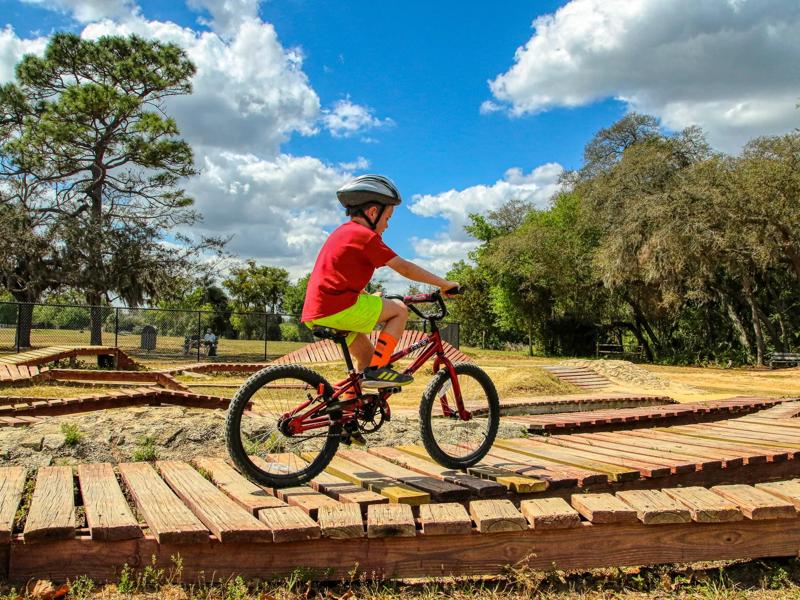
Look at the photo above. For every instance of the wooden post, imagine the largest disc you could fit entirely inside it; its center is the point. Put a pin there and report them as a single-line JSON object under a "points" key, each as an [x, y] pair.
{"points": [[266, 329], [116, 329], [199, 334]]}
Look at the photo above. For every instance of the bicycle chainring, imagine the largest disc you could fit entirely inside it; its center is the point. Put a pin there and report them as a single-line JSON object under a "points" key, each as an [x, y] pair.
{"points": [[372, 415]]}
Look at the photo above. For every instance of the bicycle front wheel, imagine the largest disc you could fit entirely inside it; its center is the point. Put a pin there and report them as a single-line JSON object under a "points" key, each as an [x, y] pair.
{"points": [[450, 440], [256, 443]]}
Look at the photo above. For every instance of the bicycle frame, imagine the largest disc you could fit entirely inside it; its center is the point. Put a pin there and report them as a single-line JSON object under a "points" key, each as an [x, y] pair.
{"points": [[297, 421]]}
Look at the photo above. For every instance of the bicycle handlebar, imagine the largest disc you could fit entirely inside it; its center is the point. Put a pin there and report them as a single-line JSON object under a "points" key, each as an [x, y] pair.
{"points": [[428, 298]]}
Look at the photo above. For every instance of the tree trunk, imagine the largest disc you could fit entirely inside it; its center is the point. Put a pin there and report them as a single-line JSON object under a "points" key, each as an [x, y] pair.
{"points": [[771, 331], [95, 318], [530, 339], [24, 325], [747, 287], [738, 326]]}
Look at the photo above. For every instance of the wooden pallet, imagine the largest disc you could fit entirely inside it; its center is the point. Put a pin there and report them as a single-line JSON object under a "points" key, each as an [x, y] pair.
{"points": [[215, 367], [43, 356], [220, 523], [568, 403], [328, 351], [582, 377], [19, 407], [646, 416]]}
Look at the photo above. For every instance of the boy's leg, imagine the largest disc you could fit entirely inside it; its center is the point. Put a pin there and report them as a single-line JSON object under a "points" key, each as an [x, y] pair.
{"points": [[362, 350], [395, 315]]}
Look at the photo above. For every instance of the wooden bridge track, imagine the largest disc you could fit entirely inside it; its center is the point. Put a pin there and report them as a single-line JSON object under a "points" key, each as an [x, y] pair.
{"points": [[43, 356], [642, 416], [220, 523], [583, 377]]}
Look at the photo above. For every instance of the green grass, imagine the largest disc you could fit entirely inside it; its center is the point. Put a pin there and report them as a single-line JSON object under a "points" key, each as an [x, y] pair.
{"points": [[72, 434], [145, 449]]}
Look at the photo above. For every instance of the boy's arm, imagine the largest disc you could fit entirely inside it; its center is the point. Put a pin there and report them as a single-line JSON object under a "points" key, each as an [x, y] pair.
{"points": [[412, 271]]}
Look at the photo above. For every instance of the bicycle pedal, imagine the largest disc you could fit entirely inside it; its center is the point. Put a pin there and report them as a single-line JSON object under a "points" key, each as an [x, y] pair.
{"points": [[339, 405], [392, 390]]}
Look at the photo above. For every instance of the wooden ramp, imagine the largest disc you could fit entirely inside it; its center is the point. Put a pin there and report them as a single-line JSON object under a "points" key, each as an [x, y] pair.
{"points": [[27, 410], [582, 377], [570, 403], [139, 514], [216, 367], [328, 351], [643, 416], [43, 356]]}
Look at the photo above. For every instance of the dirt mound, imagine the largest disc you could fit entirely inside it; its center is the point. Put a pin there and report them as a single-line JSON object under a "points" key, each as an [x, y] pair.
{"points": [[626, 373]]}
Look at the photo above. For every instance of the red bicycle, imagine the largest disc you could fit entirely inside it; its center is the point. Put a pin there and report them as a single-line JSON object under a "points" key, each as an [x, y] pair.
{"points": [[286, 422]]}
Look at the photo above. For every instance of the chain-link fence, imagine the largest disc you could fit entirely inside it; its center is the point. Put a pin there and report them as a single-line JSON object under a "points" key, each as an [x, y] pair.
{"points": [[162, 333]]}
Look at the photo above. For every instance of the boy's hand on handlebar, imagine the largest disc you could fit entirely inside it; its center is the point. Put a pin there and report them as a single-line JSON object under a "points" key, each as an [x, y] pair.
{"points": [[450, 289]]}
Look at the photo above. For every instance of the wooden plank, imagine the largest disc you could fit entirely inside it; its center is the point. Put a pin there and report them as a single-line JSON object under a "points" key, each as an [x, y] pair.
{"points": [[752, 454], [494, 516], [168, 519], [52, 511], [550, 513], [449, 518], [654, 507], [228, 521], [390, 520], [440, 491], [704, 505], [662, 442], [242, 491], [477, 486], [487, 469], [582, 548], [557, 475], [107, 512], [756, 503], [785, 490], [569, 457], [12, 485], [627, 459], [603, 508], [289, 524], [677, 461], [394, 490], [341, 522], [304, 497]]}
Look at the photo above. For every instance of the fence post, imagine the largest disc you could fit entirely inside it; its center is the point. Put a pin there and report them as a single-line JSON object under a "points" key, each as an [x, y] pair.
{"points": [[266, 328], [116, 327], [19, 320], [199, 334]]}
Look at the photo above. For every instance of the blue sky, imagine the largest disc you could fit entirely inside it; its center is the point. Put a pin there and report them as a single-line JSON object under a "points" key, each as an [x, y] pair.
{"points": [[464, 104]]}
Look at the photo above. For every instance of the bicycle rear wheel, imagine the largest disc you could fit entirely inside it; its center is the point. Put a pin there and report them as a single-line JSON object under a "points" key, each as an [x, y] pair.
{"points": [[450, 440], [256, 443]]}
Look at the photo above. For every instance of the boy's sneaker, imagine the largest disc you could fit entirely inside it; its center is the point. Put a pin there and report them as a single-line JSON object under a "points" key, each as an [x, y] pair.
{"points": [[383, 377]]}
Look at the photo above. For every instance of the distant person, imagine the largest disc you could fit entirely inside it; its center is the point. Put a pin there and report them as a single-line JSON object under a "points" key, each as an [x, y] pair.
{"points": [[210, 342], [335, 296]]}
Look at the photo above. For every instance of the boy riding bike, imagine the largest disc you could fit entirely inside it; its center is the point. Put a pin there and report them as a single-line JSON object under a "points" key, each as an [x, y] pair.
{"points": [[335, 295]]}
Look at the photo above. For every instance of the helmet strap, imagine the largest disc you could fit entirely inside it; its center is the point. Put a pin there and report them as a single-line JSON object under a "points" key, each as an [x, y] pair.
{"points": [[373, 224]]}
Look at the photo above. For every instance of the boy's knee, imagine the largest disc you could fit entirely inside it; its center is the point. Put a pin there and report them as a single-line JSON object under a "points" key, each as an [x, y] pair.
{"points": [[401, 308]]}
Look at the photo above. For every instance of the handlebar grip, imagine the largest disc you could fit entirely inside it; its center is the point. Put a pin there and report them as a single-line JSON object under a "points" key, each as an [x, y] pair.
{"points": [[459, 289]]}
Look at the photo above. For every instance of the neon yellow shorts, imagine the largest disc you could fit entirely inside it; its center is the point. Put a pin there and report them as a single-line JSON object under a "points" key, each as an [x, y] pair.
{"points": [[359, 318]]}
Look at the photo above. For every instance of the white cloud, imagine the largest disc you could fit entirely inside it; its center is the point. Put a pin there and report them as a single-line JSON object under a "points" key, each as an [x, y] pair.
{"points": [[537, 187], [226, 15], [346, 119], [87, 11], [726, 65], [455, 206], [12, 50], [249, 94], [280, 210]]}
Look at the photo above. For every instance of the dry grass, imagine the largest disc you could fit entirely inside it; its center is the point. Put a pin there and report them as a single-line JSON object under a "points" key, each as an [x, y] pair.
{"points": [[757, 580]]}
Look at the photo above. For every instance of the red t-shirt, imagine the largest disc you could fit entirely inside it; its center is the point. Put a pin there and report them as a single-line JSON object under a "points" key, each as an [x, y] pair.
{"points": [[345, 265]]}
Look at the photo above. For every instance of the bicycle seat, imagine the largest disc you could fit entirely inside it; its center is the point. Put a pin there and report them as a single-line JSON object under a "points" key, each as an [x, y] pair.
{"points": [[328, 333]]}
